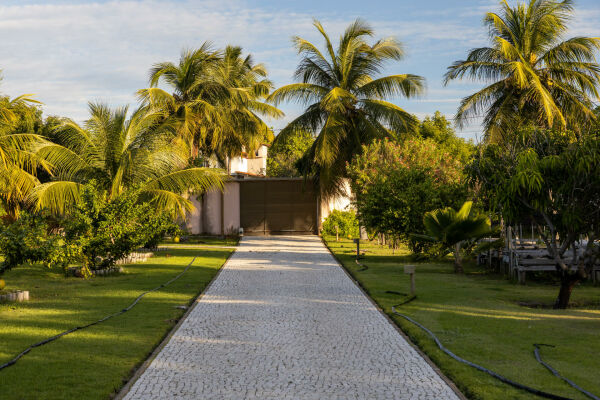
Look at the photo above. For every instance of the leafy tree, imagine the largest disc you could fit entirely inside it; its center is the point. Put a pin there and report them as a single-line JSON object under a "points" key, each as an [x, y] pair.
{"points": [[440, 130], [395, 184], [284, 154], [346, 100], [217, 99], [453, 229], [551, 180], [120, 152], [535, 76], [345, 221]]}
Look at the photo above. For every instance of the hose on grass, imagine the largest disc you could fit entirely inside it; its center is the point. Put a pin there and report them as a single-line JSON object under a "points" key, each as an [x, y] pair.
{"points": [[471, 364], [79, 328], [501, 378], [538, 357]]}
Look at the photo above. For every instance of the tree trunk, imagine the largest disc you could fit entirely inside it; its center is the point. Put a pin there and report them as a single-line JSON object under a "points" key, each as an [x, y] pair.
{"points": [[567, 282], [458, 269]]}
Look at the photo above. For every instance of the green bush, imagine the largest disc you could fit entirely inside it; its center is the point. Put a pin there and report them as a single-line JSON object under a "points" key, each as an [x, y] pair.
{"points": [[29, 239], [346, 222], [107, 230]]}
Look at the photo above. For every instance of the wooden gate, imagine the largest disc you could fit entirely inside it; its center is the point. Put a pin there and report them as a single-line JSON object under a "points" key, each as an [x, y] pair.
{"points": [[278, 206]]}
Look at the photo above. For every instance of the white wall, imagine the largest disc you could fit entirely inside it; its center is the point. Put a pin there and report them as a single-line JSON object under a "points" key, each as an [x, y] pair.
{"points": [[238, 164], [342, 203]]}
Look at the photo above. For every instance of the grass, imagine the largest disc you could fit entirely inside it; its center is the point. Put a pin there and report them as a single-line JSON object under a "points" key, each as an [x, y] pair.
{"points": [[205, 240], [96, 362], [477, 317]]}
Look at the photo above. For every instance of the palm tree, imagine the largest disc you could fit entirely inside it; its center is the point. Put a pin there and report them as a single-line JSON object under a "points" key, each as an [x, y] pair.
{"points": [[453, 228], [217, 97], [534, 76], [121, 152], [346, 103], [18, 146]]}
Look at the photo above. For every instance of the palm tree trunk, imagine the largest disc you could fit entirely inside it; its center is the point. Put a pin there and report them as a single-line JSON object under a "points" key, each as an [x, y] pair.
{"points": [[457, 260]]}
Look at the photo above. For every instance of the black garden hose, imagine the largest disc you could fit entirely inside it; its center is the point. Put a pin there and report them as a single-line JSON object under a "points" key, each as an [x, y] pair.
{"points": [[538, 357], [78, 328], [494, 374], [476, 366], [501, 378]]}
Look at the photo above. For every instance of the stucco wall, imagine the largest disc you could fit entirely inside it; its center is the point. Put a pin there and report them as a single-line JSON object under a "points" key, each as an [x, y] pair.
{"points": [[206, 218], [232, 208], [211, 212], [193, 220]]}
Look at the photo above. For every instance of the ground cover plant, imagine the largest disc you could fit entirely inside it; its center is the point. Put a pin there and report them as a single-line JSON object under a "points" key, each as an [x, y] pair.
{"points": [[477, 316], [94, 363]]}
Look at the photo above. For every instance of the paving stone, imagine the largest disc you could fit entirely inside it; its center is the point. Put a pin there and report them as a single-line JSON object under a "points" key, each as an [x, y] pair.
{"points": [[283, 321]]}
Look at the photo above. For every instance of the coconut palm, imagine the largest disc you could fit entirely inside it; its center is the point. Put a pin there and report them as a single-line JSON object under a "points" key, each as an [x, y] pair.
{"points": [[18, 145], [453, 228], [121, 152], [346, 99], [534, 75], [217, 97]]}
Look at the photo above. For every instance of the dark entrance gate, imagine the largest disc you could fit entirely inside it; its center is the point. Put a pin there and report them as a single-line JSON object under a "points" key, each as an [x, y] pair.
{"points": [[278, 206]]}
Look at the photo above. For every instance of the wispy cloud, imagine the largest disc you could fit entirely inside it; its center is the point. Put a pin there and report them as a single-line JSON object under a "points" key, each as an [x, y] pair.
{"points": [[69, 52]]}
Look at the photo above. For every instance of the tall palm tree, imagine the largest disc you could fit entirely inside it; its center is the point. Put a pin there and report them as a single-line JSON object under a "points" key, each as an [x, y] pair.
{"points": [[346, 99], [535, 76], [247, 85], [217, 97], [121, 152]]}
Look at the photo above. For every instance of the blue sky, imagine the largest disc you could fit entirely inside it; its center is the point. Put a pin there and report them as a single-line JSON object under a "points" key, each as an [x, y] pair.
{"points": [[70, 52]]}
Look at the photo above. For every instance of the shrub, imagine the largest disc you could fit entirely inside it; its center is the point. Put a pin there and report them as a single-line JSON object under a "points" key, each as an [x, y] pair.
{"points": [[107, 230], [29, 240], [346, 222]]}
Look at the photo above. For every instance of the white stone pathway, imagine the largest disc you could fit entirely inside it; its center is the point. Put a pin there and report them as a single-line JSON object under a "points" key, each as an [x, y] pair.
{"points": [[284, 321]]}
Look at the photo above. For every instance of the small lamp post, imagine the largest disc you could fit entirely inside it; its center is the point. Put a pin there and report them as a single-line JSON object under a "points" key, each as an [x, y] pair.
{"points": [[410, 270], [357, 241]]}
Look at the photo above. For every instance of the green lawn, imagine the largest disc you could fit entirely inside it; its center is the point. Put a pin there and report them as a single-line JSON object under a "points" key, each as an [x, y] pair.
{"points": [[96, 362], [477, 317]]}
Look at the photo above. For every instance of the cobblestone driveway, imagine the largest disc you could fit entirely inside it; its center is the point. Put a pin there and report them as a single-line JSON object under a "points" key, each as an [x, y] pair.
{"points": [[283, 321]]}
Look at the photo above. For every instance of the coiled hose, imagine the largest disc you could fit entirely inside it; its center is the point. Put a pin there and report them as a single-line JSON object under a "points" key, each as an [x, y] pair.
{"points": [[79, 328]]}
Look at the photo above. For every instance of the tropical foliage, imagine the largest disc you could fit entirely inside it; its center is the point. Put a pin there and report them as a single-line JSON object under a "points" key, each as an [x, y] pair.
{"points": [[452, 229], [18, 144], [30, 240], [396, 183], [217, 97], [535, 76], [285, 154], [105, 229], [342, 223], [549, 179], [346, 100], [121, 151]]}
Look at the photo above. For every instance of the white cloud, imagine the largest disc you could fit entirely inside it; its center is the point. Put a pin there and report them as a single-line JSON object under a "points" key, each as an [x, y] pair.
{"points": [[69, 53]]}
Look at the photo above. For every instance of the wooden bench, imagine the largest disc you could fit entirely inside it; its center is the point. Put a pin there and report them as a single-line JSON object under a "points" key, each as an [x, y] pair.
{"points": [[524, 265]]}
